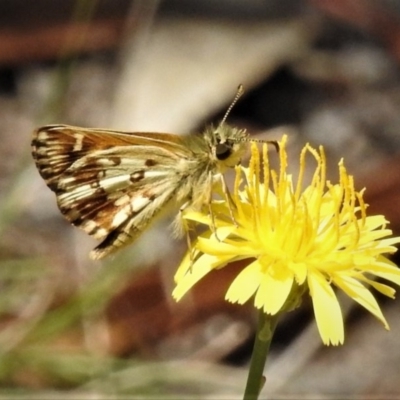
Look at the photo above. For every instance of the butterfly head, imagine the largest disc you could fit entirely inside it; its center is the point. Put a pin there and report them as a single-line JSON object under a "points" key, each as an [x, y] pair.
{"points": [[227, 145]]}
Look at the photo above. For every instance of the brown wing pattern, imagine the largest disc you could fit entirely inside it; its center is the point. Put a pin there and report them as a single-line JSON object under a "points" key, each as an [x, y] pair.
{"points": [[110, 184]]}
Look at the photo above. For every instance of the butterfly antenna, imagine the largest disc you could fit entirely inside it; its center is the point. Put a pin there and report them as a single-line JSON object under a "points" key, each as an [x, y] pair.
{"points": [[274, 143], [238, 95]]}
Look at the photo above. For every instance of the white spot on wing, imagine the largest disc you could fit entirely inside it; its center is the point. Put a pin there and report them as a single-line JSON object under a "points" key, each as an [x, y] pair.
{"points": [[92, 228], [136, 204], [115, 183], [43, 135], [78, 141], [119, 218], [105, 162], [122, 200], [77, 194], [139, 202], [156, 173], [42, 151]]}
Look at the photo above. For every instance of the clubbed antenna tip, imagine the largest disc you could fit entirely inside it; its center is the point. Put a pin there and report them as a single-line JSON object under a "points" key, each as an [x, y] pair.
{"points": [[238, 95]]}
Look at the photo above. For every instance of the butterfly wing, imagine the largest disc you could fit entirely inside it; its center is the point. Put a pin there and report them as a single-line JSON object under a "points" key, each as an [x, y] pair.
{"points": [[110, 184]]}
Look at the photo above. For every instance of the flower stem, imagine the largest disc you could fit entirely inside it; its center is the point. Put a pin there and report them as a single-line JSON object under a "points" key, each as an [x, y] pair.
{"points": [[265, 331]]}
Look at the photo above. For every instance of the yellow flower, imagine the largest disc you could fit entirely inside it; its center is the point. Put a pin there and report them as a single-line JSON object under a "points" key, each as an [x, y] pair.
{"points": [[297, 237]]}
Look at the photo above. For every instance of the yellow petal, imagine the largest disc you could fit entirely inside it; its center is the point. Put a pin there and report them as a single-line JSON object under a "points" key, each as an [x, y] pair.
{"points": [[326, 309], [356, 290], [197, 216], [200, 268], [384, 269], [274, 291], [214, 247], [380, 287], [300, 270], [245, 284]]}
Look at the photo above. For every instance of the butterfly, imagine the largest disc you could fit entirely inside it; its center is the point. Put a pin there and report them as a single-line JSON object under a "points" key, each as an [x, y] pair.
{"points": [[113, 184]]}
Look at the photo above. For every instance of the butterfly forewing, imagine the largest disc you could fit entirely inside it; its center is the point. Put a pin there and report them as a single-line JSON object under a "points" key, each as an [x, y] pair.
{"points": [[56, 147]]}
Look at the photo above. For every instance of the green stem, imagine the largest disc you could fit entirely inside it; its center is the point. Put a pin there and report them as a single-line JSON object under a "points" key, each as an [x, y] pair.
{"points": [[265, 332]]}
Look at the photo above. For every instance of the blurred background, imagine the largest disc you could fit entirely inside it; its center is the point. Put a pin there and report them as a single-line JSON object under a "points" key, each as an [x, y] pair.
{"points": [[324, 72]]}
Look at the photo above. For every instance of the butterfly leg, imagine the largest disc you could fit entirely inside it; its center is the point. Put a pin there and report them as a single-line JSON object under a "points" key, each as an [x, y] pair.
{"points": [[186, 229], [213, 226], [231, 203]]}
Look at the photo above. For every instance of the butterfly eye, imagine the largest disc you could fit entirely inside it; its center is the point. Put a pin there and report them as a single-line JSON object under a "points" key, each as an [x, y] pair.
{"points": [[223, 150]]}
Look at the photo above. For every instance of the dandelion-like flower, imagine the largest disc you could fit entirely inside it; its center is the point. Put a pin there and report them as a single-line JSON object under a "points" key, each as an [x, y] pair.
{"points": [[298, 237]]}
